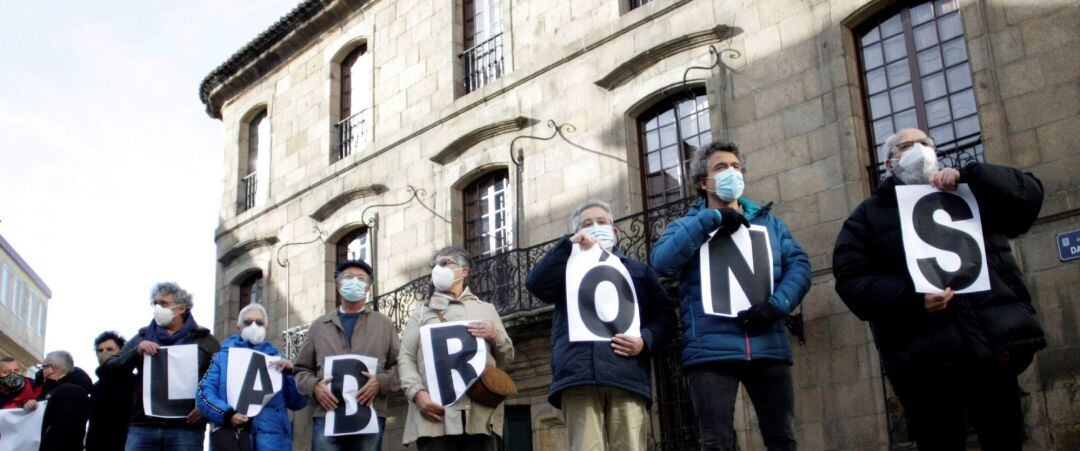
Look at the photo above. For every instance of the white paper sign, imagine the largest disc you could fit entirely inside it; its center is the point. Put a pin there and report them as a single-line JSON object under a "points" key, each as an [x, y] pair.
{"points": [[21, 430], [453, 360], [345, 379], [736, 271], [170, 379], [251, 381], [600, 297], [943, 239]]}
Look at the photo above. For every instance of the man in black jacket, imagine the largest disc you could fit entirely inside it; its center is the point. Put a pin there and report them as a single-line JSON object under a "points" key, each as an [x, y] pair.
{"points": [[947, 355], [67, 390], [110, 399], [603, 388], [173, 325]]}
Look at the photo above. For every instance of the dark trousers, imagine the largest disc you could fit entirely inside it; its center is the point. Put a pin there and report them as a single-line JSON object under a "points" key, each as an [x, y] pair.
{"points": [[713, 387], [937, 406], [464, 442]]}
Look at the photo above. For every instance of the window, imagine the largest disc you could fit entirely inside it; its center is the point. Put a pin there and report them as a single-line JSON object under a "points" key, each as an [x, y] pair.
{"points": [[670, 131], [636, 3], [354, 246], [517, 429], [916, 74], [31, 305], [251, 290], [482, 57], [355, 102], [487, 215], [16, 304], [41, 319], [258, 143], [4, 285]]}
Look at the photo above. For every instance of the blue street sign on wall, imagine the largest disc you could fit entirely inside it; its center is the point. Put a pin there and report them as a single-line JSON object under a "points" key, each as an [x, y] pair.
{"points": [[1069, 245]]}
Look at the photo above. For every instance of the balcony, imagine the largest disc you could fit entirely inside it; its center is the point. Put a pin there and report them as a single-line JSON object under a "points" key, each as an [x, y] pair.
{"points": [[483, 63], [953, 154], [248, 186], [353, 134]]}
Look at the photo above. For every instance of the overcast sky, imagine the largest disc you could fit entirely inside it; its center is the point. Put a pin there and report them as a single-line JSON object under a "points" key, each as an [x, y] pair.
{"points": [[110, 171]]}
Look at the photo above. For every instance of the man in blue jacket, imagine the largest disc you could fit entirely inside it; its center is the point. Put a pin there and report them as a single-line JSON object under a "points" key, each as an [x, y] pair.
{"points": [[603, 388], [719, 352], [271, 429]]}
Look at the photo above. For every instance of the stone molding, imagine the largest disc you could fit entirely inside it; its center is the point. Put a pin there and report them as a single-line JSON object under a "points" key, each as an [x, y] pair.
{"points": [[648, 58], [460, 145], [333, 205], [240, 249]]}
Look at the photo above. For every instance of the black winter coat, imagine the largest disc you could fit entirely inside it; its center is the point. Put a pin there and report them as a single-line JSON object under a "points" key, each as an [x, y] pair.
{"points": [[595, 363], [999, 325], [129, 360], [110, 411], [64, 424]]}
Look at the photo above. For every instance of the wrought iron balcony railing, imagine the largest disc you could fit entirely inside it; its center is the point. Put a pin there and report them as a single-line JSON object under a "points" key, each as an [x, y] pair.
{"points": [[248, 186], [953, 154], [483, 63], [353, 133]]}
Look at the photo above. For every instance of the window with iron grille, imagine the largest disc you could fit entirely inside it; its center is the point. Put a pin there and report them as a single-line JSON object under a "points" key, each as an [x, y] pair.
{"points": [[352, 128], [669, 133], [251, 290], [487, 215], [916, 74], [258, 143], [482, 58]]}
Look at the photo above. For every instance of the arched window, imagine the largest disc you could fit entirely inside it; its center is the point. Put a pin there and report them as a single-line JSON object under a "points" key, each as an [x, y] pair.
{"points": [[251, 290], [354, 246], [488, 229], [915, 69], [669, 132], [256, 145], [353, 124]]}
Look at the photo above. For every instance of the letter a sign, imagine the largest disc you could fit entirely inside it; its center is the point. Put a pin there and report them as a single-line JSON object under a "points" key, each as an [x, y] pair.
{"points": [[943, 239], [600, 297], [453, 360], [170, 378], [251, 381], [736, 271]]}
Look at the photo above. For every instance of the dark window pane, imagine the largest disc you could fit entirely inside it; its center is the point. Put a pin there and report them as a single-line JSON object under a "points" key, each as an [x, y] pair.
{"points": [[891, 26], [899, 72], [950, 26], [934, 86], [871, 37], [875, 80], [879, 106], [902, 98], [922, 13], [872, 56], [955, 51], [967, 126], [963, 104], [937, 112], [959, 77], [929, 61], [895, 48], [925, 36], [906, 119]]}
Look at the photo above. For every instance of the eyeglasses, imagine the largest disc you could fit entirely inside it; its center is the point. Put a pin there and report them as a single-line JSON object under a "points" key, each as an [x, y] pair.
{"points": [[347, 276], [928, 142], [248, 321]]}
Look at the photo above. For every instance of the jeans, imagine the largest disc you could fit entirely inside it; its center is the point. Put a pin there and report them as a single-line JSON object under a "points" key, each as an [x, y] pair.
{"points": [[938, 405], [713, 387], [154, 438], [357, 442]]}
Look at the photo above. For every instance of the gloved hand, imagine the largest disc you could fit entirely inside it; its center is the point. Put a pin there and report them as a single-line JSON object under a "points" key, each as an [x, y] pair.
{"points": [[730, 220], [759, 317]]}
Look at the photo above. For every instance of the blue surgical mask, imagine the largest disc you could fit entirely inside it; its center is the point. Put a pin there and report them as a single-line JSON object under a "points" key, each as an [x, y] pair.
{"points": [[729, 184], [604, 234], [353, 290]]}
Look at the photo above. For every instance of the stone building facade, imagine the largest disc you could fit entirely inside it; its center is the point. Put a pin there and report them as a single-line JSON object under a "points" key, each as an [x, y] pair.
{"points": [[24, 306], [383, 129]]}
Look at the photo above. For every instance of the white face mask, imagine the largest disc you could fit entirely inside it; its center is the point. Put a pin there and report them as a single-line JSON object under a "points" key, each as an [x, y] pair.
{"points": [[254, 334], [163, 315], [916, 165], [604, 234], [442, 277]]}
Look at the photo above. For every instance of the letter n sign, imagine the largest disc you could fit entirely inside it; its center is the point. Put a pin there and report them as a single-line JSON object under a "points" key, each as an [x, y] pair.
{"points": [[943, 239], [736, 271]]}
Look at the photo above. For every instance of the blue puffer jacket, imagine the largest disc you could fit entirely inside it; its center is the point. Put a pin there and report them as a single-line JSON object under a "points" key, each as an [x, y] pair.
{"points": [[271, 428], [708, 338], [575, 364]]}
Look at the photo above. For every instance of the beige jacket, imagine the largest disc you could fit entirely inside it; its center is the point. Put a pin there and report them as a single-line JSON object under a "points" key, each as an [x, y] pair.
{"points": [[479, 419], [373, 336]]}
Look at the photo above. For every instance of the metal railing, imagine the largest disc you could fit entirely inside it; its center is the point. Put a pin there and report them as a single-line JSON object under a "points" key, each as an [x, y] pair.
{"points": [[353, 133], [483, 63], [952, 154], [248, 186]]}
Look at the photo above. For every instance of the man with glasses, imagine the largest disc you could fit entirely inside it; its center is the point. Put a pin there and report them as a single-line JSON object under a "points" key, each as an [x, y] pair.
{"points": [[173, 325], [353, 329], [67, 389], [947, 355]]}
